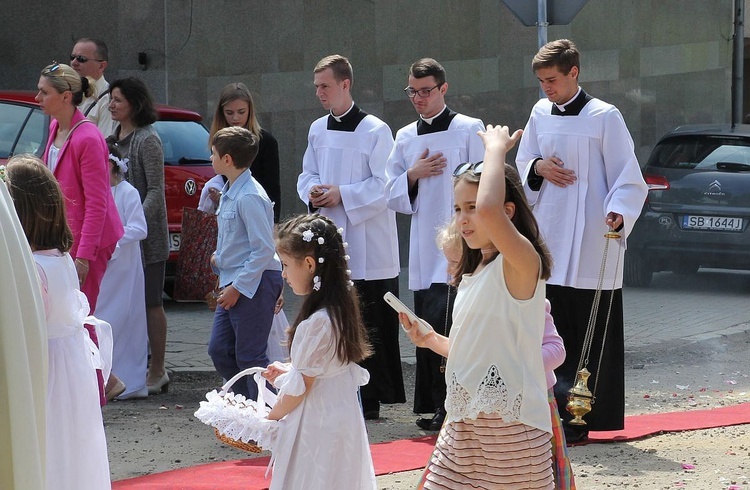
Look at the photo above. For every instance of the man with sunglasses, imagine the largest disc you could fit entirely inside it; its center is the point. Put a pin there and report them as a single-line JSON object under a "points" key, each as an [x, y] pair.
{"points": [[580, 171], [89, 59], [420, 184]]}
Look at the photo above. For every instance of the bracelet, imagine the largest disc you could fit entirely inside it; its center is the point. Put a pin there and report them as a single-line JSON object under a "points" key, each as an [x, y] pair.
{"points": [[533, 166], [79, 261]]}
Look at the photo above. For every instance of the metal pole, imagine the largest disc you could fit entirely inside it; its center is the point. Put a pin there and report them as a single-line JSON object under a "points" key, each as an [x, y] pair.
{"points": [[541, 27], [166, 54], [738, 59]]}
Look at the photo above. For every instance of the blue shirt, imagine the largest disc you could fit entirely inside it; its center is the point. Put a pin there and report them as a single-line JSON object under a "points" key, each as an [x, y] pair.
{"points": [[245, 246]]}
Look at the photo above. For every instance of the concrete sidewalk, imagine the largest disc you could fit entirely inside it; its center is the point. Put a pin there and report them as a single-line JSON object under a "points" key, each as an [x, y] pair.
{"points": [[675, 309]]}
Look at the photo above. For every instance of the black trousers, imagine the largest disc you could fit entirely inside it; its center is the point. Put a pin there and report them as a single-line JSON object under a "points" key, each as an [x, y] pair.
{"points": [[384, 365], [571, 309], [435, 305]]}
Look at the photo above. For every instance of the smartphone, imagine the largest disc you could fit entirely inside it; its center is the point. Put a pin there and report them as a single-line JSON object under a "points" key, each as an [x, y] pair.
{"points": [[396, 304]]}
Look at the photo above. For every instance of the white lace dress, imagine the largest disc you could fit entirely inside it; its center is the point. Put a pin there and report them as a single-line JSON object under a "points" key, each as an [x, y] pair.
{"points": [[76, 445], [322, 444]]}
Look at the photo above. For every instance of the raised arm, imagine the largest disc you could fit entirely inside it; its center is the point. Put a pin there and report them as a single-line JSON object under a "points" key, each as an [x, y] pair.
{"points": [[494, 213]]}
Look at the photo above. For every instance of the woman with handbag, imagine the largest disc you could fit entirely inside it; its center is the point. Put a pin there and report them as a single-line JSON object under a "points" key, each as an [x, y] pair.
{"points": [[77, 155], [132, 106]]}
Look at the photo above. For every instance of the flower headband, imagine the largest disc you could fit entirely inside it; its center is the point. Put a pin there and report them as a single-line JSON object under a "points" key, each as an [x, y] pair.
{"points": [[308, 236], [122, 164], [2, 173]]}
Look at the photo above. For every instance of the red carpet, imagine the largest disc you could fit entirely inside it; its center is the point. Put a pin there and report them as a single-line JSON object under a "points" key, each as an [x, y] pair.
{"points": [[412, 454]]}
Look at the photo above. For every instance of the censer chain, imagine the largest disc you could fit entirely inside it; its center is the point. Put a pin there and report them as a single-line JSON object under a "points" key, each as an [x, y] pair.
{"points": [[588, 339]]}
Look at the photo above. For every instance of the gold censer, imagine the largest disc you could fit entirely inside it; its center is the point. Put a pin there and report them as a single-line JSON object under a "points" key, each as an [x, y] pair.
{"points": [[580, 398]]}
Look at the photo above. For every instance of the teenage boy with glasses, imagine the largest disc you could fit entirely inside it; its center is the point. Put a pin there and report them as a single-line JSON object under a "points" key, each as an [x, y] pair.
{"points": [[419, 172], [89, 58]]}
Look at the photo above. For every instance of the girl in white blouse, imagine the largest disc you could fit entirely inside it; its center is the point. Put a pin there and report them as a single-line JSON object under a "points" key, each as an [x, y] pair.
{"points": [[497, 429]]}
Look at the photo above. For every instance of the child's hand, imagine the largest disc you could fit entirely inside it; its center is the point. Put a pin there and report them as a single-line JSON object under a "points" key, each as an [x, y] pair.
{"points": [[499, 137], [279, 304], [214, 194], [412, 330], [228, 297], [274, 370]]}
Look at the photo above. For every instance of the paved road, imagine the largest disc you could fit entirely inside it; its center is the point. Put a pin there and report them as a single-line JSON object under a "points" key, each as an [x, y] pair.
{"points": [[675, 308]]}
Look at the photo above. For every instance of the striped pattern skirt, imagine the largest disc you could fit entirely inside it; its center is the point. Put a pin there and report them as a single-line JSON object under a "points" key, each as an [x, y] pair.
{"points": [[488, 453]]}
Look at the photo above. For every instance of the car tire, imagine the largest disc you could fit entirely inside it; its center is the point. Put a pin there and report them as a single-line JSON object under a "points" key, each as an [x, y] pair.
{"points": [[636, 272]]}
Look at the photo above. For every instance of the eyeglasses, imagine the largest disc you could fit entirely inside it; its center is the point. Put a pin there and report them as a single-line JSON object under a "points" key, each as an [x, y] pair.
{"points": [[422, 92], [82, 59], [49, 70], [469, 167]]}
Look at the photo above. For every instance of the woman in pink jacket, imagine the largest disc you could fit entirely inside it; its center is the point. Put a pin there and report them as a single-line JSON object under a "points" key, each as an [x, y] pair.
{"points": [[77, 155]]}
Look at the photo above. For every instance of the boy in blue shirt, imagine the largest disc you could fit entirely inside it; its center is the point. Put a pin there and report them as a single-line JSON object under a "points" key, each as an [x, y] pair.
{"points": [[248, 268]]}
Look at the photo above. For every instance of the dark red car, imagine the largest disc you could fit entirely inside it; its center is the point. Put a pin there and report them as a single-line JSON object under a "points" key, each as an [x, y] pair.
{"points": [[24, 129]]}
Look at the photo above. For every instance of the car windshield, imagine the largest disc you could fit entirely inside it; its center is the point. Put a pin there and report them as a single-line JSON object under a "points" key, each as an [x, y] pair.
{"points": [[184, 142], [700, 152], [15, 141]]}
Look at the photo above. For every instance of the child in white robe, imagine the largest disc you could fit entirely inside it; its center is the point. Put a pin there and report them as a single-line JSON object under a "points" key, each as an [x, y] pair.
{"points": [[76, 455], [121, 300]]}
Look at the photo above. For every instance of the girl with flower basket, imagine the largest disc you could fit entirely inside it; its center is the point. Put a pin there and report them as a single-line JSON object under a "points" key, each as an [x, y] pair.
{"points": [[321, 441]]}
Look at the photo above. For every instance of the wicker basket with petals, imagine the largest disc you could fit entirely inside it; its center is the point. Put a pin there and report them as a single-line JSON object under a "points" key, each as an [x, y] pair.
{"points": [[237, 421]]}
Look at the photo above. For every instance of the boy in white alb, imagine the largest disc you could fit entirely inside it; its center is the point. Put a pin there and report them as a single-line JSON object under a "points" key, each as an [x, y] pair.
{"points": [[579, 167], [420, 184], [343, 178]]}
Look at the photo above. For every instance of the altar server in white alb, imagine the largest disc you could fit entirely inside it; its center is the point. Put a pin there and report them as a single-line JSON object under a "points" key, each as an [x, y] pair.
{"points": [[343, 178], [580, 171], [420, 184]]}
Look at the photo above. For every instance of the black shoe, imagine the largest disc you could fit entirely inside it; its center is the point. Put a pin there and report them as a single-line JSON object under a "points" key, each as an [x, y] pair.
{"points": [[435, 423], [371, 409], [574, 434]]}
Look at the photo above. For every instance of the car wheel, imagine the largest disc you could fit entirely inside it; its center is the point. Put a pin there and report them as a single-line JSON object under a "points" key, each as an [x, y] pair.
{"points": [[636, 272]]}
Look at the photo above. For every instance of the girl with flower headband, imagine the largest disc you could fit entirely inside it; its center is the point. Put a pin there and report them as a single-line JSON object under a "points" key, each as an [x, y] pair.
{"points": [[323, 442], [122, 303], [76, 455]]}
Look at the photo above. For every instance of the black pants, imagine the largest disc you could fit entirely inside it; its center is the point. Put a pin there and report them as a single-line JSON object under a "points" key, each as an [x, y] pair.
{"points": [[435, 305], [384, 365], [571, 309]]}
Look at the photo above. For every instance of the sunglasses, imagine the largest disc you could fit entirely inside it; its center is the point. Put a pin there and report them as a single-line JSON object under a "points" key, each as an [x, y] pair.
{"points": [[82, 59], [49, 70], [469, 167]]}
